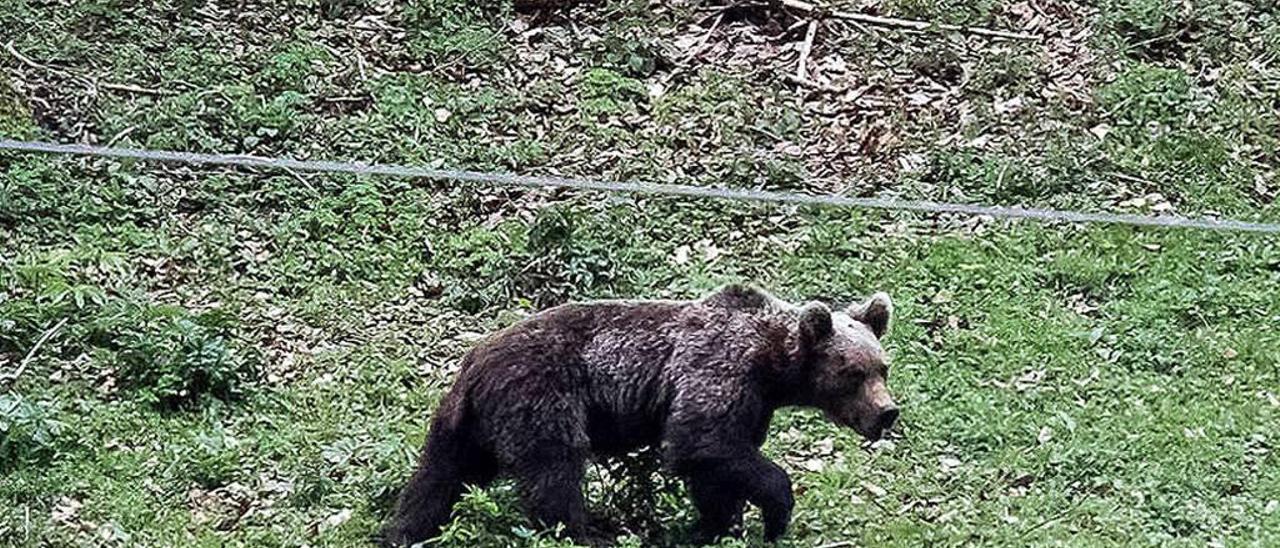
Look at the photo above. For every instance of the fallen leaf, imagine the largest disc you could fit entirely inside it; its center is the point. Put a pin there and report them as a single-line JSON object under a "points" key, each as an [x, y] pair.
{"points": [[874, 489], [336, 519], [681, 255]]}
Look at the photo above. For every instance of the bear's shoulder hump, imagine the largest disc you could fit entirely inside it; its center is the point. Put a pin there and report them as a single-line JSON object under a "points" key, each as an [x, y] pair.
{"points": [[741, 297]]}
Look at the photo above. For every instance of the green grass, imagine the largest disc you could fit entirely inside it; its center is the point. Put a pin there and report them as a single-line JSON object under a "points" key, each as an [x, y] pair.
{"points": [[251, 358]]}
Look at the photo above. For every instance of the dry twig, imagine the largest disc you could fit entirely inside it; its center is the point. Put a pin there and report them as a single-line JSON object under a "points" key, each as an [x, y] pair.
{"points": [[802, 70], [808, 7], [31, 354], [89, 82], [133, 89], [702, 44], [805, 82]]}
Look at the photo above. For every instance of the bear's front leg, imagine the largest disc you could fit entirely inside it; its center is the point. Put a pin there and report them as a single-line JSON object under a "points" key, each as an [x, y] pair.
{"points": [[719, 508], [748, 476]]}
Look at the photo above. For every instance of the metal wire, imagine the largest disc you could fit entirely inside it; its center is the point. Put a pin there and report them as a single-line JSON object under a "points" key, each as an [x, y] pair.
{"points": [[512, 180]]}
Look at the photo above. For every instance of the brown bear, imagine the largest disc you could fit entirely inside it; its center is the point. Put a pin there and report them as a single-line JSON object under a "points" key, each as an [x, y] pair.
{"points": [[700, 378]]}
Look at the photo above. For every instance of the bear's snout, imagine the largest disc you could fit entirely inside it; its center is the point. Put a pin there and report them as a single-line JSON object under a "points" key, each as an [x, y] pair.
{"points": [[885, 420], [873, 411]]}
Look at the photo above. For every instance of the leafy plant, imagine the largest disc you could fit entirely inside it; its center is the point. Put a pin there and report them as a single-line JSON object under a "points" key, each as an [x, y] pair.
{"points": [[28, 431], [174, 359], [607, 92], [562, 253], [15, 118], [291, 67], [211, 459], [1159, 30], [1148, 93], [449, 29], [633, 488], [629, 53]]}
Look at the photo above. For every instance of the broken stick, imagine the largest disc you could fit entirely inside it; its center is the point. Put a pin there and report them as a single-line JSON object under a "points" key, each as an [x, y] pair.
{"points": [[702, 44], [83, 79], [907, 23], [31, 354], [802, 70], [805, 82]]}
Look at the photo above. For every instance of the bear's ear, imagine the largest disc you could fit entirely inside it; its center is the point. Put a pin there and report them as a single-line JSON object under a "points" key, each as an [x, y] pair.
{"points": [[815, 322], [876, 313]]}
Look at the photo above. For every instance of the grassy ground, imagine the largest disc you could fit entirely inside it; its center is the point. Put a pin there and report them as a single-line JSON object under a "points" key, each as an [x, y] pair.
{"points": [[239, 358]]}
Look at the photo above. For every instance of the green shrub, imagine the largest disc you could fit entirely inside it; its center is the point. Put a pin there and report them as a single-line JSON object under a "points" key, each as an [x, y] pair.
{"points": [[607, 92], [961, 12], [456, 30], [632, 53], [174, 359], [15, 118], [1164, 29], [1148, 93], [564, 253], [28, 432], [293, 67], [1142, 20], [211, 459]]}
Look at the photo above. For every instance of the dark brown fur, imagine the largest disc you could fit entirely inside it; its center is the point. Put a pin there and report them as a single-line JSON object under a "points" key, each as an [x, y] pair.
{"points": [[699, 378]]}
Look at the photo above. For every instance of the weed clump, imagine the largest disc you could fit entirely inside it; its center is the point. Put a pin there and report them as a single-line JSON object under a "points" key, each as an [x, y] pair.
{"points": [[169, 356], [448, 29], [563, 253], [1169, 30], [174, 359], [15, 118], [28, 432]]}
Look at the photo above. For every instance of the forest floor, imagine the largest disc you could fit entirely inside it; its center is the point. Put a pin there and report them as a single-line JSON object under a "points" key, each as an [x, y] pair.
{"points": [[214, 357]]}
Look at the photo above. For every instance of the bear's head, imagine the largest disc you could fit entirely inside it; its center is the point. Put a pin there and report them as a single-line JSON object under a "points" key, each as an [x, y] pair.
{"points": [[845, 367]]}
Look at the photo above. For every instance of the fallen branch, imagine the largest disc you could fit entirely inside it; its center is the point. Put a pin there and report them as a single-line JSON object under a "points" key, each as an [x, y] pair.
{"points": [[808, 7], [121, 135], [876, 36], [8, 46], [31, 354], [795, 26], [802, 70], [1131, 178], [805, 82], [702, 44], [133, 89], [347, 99]]}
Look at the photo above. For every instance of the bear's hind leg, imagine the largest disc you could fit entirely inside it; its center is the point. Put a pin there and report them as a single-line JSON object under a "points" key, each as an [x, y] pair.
{"points": [[549, 478], [448, 464]]}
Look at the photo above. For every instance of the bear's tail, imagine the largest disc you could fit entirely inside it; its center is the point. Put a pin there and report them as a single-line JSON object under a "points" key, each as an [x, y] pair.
{"points": [[426, 502]]}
